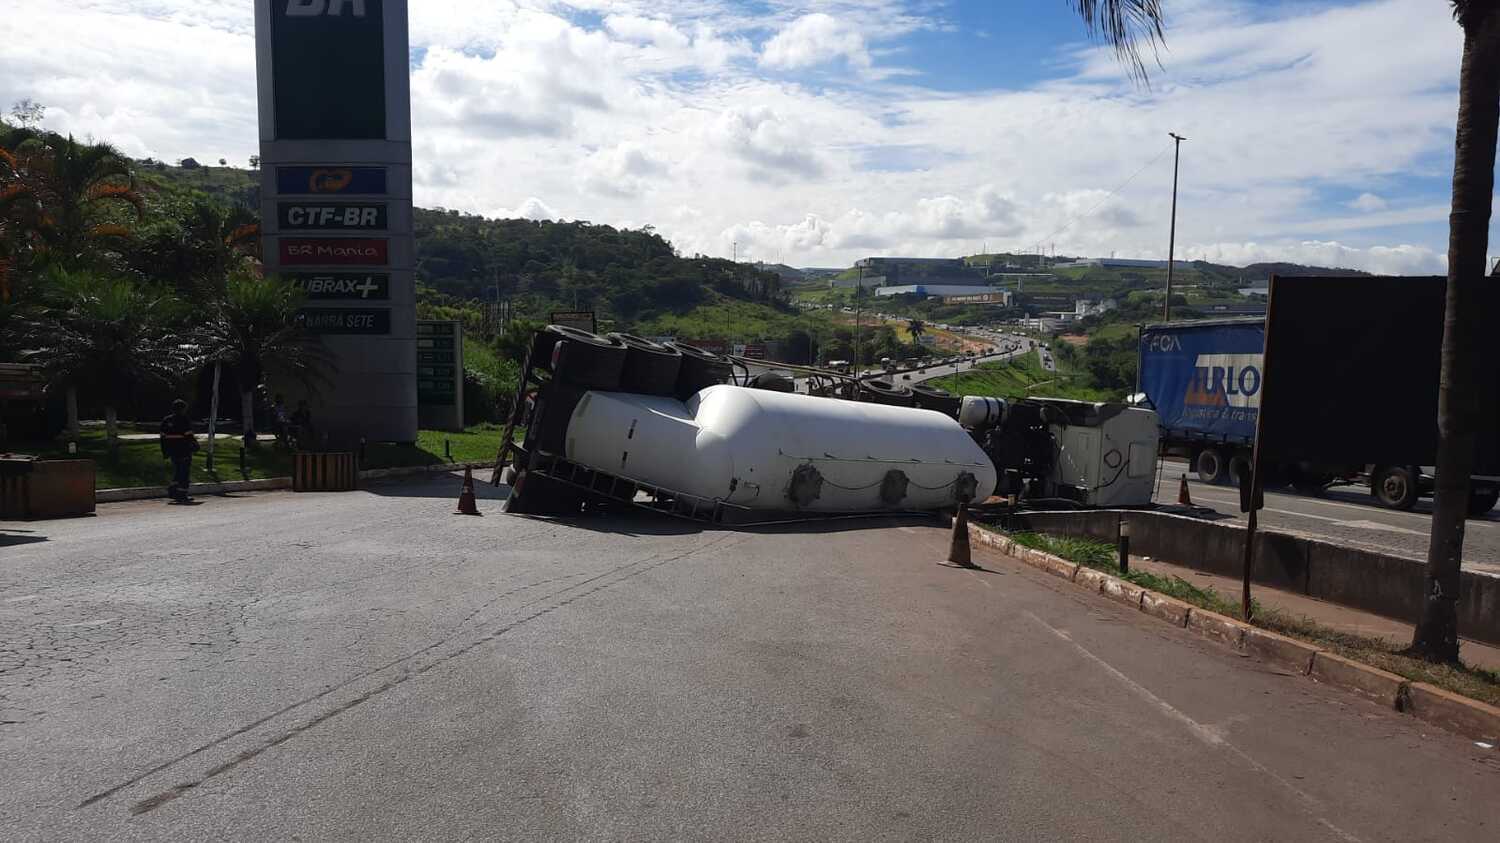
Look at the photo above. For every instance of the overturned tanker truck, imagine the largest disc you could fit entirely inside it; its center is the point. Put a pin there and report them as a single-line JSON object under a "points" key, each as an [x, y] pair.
{"points": [[620, 420]]}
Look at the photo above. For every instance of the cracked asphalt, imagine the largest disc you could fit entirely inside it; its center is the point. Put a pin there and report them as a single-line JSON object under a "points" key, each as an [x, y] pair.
{"points": [[369, 666]]}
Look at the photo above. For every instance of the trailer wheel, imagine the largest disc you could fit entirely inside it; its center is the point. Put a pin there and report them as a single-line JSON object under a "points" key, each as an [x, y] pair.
{"points": [[1212, 467], [650, 367], [1394, 486], [1482, 502], [586, 360]]}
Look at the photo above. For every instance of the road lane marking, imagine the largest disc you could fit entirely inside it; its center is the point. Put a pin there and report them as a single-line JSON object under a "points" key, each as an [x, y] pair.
{"points": [[1210, 491], [1359, 524], [1208, 734]]}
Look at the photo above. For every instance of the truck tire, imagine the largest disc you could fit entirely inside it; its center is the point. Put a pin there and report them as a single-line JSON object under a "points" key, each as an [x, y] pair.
{"points": [[1394, 486], [1212, 467], [885, 392], [699, 369], [586, 360], [1482, 502], [650, 367], [932, 398]]}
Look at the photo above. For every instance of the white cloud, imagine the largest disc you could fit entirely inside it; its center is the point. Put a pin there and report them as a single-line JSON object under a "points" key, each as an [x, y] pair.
{"points": [[662, 111], [1381, 260], [775, 146], [815, 39], [621, 170], [531, 209]]}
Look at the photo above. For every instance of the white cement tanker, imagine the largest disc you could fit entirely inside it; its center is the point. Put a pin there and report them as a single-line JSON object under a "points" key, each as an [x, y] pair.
{"points": [[779, 451]]}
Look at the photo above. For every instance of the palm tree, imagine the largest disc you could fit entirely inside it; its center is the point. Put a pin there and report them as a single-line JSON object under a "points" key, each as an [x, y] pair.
{"points": [[253, 328], [1461, 396], [916, 328], [199, 254], [73, 194], [106, 336]]}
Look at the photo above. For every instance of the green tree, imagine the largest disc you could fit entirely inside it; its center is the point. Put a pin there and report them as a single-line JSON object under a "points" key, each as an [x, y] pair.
{"points": [[107, 337], [197, 252], [1462, 400], [252, 327], [916, 328], [77, 197]]}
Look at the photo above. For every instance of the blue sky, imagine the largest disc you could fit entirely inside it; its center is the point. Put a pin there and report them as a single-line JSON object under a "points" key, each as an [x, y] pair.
{"points": [[819, 132]]}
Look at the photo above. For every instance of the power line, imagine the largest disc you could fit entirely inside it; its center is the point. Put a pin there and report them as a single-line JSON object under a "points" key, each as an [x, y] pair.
{"points": [[1108, 196]]}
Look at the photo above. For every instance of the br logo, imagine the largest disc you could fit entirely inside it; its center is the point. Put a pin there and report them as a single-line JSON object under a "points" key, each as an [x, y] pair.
{"points": [[319, 8], [329, 181]]}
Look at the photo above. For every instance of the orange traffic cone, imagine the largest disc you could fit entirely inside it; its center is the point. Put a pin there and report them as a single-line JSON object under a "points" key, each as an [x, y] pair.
{"points": [[958, 546], [466, 505], [1183, 498]]}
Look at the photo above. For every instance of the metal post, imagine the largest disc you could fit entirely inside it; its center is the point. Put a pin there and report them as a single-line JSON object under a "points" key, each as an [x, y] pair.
{"points": [[859, 289], [1124, 546], [213, 418], [1172, 238], [1256, 477]]}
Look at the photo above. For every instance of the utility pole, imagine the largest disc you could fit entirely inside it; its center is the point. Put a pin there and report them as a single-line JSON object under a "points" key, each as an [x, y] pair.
{"points": [[859, 291], [1172, 238]]}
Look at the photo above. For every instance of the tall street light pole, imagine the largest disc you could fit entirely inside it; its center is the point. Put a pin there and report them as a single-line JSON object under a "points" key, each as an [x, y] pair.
{"points": [[1172, 238], [859, 292]]}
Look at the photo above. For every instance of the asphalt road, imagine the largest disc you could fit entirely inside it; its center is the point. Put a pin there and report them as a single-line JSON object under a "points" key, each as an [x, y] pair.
{"points": [[369, 666], [1345, 514]]}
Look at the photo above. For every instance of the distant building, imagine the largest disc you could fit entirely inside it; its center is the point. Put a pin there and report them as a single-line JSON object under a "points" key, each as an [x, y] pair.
{"points": [[1000, 298], [1112, 263], [884, 265], [1083, 309], [1253, 309], [931, 289], [850, 283]]}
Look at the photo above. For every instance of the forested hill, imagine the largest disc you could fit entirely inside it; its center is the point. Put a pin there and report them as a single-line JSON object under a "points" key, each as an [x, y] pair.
{"points": [[630, 275]]}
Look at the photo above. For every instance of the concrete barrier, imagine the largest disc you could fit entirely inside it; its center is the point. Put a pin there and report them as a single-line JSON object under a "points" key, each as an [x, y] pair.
{"points": [[1386, 585]]}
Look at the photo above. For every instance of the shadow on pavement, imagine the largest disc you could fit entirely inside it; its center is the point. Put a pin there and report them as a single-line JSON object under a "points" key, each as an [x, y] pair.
{"points": [[433, 486], [8, 537], [639, 522]]}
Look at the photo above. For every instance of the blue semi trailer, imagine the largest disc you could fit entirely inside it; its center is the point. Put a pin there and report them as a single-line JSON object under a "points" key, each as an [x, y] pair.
{"points": [[1203, 378]]}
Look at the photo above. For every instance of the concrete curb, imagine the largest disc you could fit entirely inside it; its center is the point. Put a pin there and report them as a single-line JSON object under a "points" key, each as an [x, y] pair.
{"points": [[1458, 714], [404, 471], [141, 493], [266, 484]]}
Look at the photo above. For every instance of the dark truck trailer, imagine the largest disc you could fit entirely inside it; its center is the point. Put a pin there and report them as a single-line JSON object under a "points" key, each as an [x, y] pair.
{"points": [[1204, 380]]}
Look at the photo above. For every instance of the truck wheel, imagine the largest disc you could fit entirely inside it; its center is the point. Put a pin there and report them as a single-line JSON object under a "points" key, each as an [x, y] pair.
{"points": [[1394, 486], [650, 367], [1482, 502], [1212, 467], [586, 360]]}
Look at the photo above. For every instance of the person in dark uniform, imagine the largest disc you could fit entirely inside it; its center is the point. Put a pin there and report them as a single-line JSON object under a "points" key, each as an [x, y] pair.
{"points": [[178, 445]]}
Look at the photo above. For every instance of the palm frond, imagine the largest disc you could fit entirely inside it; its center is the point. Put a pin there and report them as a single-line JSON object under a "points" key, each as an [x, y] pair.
{"points": [[122, 192], [1126, 25]]}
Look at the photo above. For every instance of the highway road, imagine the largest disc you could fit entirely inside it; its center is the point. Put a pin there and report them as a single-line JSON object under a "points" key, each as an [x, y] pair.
{"points": [[1345, 514], [368, 665]]}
